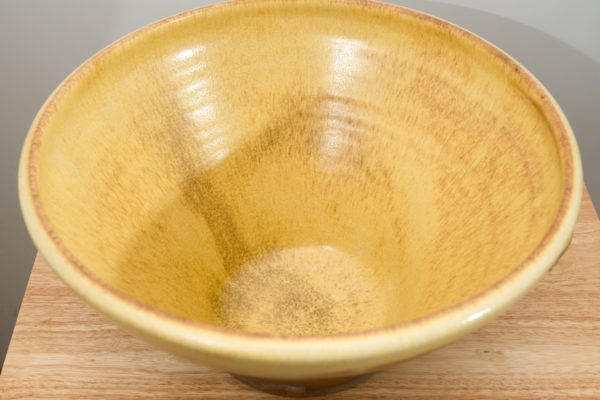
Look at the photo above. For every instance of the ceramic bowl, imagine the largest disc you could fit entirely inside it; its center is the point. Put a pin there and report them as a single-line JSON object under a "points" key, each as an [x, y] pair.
{"points": [[300, 192]]}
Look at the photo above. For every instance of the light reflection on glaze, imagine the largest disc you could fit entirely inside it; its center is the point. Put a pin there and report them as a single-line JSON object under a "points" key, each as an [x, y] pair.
{"points": [[343, 70], [345, 62], [478, 314], [196, 91]]}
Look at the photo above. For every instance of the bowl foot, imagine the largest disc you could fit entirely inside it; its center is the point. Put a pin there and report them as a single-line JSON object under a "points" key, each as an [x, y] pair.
{"points": [[302, 388]]}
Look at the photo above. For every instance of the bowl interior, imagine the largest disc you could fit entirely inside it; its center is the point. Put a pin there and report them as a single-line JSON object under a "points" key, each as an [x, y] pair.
{"points": [[299, 170]]}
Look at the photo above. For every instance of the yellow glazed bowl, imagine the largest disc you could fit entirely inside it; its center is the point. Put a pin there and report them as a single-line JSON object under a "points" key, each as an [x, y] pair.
{"points": [[300, 191]]}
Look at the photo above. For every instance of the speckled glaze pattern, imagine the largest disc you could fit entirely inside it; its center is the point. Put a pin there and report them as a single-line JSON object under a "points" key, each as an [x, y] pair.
{"points": [[300, 189]]}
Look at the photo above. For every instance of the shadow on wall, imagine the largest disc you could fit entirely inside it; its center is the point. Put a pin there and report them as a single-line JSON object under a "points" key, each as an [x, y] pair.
{"points": [[40, 43], [572, 77]]}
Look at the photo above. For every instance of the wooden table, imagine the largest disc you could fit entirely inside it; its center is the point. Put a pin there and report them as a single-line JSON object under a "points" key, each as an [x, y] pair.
{"points": [[547, 346]]}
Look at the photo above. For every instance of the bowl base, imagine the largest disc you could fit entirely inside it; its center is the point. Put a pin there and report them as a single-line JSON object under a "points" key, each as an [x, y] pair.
{"points": [[302, 388]]}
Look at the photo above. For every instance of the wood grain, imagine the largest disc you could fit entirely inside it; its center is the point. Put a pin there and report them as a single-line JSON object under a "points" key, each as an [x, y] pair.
{"points": [[547, 346]]}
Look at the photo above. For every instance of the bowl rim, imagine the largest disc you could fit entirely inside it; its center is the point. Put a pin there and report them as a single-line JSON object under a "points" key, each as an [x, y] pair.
{"points": [[319, 353]]}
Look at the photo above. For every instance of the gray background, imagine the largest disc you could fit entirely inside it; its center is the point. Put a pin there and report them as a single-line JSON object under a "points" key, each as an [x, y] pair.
{"points": [[42, 41]]}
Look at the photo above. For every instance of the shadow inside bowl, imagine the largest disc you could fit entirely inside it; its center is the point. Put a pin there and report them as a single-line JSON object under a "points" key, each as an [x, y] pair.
{"points": [[271, 239]]}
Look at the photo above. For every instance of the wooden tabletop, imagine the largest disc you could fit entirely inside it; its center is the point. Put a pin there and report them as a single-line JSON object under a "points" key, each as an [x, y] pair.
{"points": [[547, 346]]}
